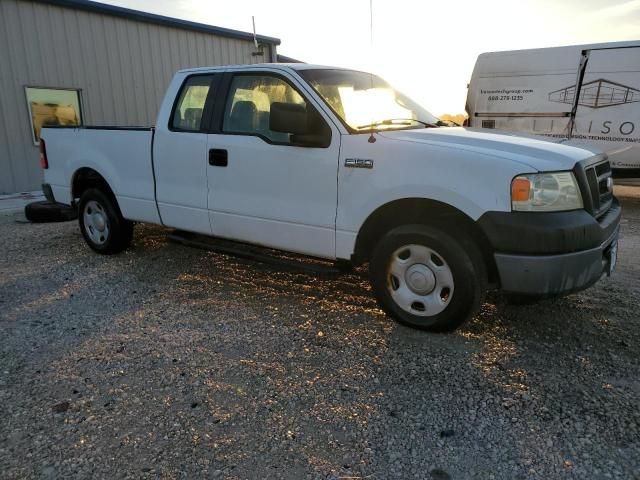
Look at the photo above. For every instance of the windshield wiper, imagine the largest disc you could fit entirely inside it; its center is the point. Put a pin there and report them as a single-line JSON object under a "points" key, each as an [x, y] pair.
{"points": [[397, 121]]}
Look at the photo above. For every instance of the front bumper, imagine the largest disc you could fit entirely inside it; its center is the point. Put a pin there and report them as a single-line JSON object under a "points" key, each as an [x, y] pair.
{"points": [[555, 274], [552, 254]]}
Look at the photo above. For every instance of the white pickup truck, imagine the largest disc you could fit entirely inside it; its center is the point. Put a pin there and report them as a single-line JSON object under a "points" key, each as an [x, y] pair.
{"points": [[336, 164]]}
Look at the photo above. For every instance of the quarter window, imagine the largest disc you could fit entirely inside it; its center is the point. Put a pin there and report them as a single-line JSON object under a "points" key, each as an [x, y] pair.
{"points": [[249, 104], [187, 115]]}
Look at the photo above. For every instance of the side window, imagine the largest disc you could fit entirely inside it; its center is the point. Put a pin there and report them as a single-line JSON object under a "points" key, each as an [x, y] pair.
{"points": [[249, 104], [187, 114]]}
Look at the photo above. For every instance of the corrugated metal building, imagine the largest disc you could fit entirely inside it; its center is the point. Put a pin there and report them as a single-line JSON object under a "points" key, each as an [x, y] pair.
{"points": [[79, 62]]}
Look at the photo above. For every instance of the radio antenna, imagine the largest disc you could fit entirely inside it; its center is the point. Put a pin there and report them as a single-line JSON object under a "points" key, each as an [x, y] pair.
{"points": [[258, 52], [255, 38], [372, 139]]}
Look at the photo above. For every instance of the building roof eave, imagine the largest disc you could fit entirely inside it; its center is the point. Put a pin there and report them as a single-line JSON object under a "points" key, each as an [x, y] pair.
{"points": [[147, 17]]}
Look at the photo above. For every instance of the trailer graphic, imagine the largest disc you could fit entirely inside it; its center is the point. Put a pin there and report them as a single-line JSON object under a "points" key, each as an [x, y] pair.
{"points": [[597, 94]]}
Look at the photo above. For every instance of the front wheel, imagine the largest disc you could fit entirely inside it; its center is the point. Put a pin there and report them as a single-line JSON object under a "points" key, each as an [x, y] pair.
{"points": [[101, 223], [426, 279]]}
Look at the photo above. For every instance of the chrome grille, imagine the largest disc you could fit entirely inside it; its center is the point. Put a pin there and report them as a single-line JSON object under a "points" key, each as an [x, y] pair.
{"points": [[600, 187]]}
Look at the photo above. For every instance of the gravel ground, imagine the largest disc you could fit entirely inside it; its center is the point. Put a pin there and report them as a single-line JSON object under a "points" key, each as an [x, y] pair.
{"points": [[168, 362]]}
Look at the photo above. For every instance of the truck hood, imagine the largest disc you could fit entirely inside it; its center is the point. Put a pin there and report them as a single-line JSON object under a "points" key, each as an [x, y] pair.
{"points": [[536, 153]]}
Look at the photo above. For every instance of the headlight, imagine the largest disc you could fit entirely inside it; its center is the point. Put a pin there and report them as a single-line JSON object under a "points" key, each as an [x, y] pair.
{"points": [[545, 192]]}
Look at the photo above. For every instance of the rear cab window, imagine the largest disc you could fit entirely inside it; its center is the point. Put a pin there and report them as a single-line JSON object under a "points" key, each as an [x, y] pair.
{"points": [[189, 109]]}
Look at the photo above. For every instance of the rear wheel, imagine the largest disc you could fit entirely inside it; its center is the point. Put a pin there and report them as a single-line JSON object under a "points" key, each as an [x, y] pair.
{"points": [[426, 279], [101, 223]]}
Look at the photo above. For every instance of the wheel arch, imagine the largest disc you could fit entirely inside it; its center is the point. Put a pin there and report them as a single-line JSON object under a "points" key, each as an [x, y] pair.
{"points": [[421, 211], [87, 177]]}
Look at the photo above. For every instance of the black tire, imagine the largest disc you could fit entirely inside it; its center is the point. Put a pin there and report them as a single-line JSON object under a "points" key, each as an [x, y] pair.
{"points": [[463, 261], [47, 212], [119, 233]]}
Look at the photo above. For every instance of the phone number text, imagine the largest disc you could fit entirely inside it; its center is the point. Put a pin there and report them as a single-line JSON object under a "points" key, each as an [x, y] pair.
{"points": [[505, 98]]}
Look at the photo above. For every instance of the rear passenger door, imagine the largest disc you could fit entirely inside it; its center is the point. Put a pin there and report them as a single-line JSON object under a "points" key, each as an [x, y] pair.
{"points": [[263, 187], [180, 156]]}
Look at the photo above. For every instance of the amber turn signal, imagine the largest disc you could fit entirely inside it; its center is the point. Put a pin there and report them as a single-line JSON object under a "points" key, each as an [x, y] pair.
{"points": [[520, 189]]}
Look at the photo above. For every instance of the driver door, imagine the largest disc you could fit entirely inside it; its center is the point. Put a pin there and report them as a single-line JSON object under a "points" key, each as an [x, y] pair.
{"points": [[263, 188]]}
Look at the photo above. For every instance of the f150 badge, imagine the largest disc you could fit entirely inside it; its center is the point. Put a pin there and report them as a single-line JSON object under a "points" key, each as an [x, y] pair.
{"points": [[358, 163]]}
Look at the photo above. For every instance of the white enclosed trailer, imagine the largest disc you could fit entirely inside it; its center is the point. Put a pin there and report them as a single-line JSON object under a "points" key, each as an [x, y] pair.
{"points": [[534, 91]]}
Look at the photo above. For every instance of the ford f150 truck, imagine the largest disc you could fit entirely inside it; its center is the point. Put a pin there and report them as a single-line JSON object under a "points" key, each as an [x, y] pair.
{"points": [[336, 164]]}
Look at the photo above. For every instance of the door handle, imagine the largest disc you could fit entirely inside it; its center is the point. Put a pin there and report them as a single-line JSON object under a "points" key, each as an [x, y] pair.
{"points": [[218, 157]]}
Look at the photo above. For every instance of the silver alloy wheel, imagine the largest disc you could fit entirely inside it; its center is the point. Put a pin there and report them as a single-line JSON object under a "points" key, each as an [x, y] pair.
{"points": [[419, 280], [96, 222]]}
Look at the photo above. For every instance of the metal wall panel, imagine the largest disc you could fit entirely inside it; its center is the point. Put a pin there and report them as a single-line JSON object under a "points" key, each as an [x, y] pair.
{"points": [[121, 66]]}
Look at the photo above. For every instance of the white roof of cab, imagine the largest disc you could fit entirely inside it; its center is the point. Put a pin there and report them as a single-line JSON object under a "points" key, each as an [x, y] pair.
{"points": [[278, 66]]}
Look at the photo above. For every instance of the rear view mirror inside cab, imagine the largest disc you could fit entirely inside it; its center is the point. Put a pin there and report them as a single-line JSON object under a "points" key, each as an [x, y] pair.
{"points": [[307, 128]]}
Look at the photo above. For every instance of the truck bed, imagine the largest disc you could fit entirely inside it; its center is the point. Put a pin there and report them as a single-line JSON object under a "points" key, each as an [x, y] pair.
{"points": [[122, 155]]}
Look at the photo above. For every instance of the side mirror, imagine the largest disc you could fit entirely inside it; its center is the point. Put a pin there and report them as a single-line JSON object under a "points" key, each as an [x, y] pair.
{"points": [[288, 118], [306, 128]]}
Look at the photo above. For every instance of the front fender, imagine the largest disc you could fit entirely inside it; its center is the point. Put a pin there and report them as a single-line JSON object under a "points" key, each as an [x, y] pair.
{"points": [[470, 182]]}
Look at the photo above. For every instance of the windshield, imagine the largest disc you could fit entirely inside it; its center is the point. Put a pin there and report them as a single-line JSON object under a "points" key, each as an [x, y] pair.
{"points": [[364, 101]]}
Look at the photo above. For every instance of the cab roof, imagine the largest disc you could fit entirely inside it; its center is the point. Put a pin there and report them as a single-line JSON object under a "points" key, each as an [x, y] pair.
{"points": [[278, 66]]}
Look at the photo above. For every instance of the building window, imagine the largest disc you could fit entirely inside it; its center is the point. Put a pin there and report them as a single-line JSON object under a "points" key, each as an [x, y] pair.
{"points": [[52, 106]]}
